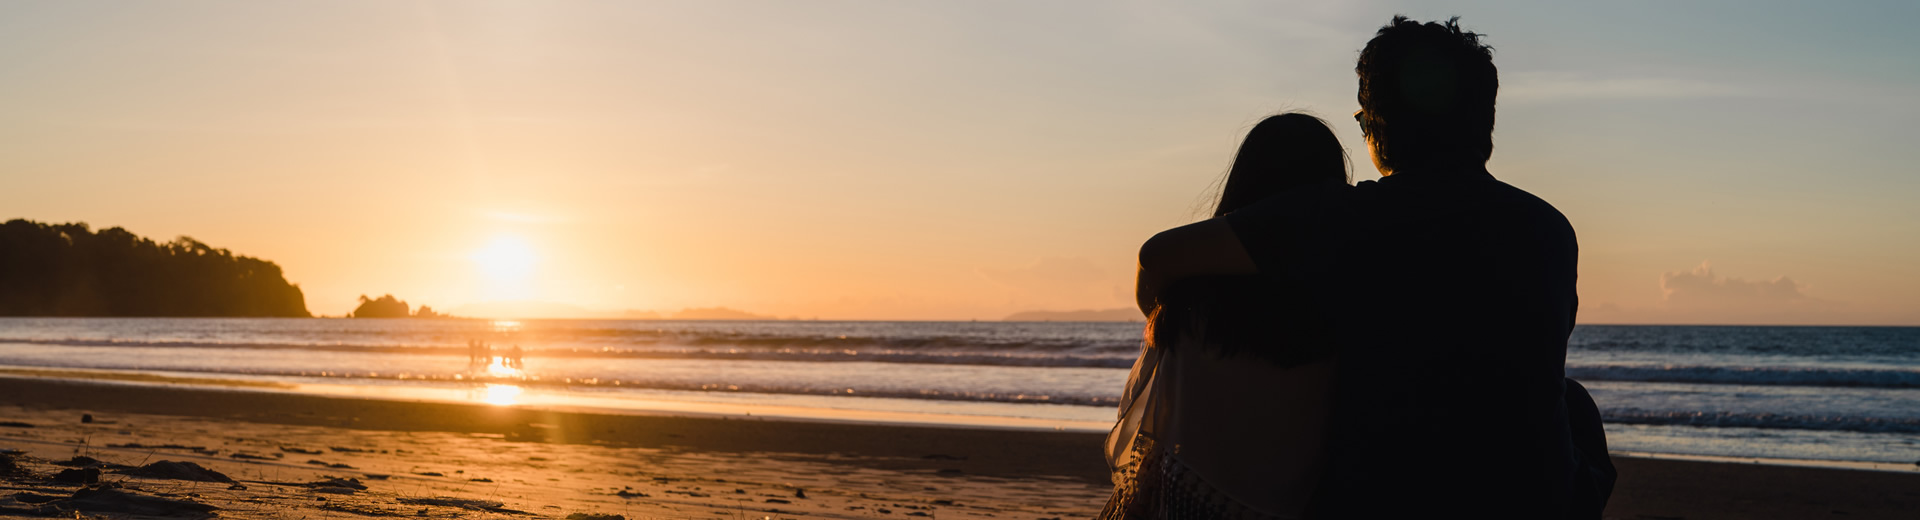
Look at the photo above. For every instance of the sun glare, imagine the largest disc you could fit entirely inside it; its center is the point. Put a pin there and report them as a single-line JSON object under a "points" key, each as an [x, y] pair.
{"points": [[499, 368], [505, 259], [501, 395]]}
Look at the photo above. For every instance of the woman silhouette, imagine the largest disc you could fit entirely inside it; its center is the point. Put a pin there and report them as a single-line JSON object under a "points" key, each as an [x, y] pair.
{"points": [[1224, 414]]}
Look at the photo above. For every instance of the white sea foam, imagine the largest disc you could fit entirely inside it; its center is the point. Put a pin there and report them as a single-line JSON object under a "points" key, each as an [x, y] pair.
{"points": [[1839, 380]]}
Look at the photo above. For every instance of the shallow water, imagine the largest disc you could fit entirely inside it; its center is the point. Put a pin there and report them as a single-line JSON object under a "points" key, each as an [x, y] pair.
{"points": [[1822, 393]]}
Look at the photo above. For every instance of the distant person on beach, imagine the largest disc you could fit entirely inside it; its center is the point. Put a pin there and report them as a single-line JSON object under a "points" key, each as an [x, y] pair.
{"points": [[1224, 415], [1450, 295], [479, 354]]}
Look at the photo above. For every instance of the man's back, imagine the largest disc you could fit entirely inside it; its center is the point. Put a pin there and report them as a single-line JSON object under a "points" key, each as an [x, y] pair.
{"points": [[1453, 353], [1454, 295]]}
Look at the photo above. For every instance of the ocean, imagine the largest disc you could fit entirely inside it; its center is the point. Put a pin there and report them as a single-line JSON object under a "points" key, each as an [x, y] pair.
{"points": [[1819, 395]]}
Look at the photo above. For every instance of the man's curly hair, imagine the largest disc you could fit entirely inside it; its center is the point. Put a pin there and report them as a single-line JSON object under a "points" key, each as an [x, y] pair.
{"points": [[1426, 95]]}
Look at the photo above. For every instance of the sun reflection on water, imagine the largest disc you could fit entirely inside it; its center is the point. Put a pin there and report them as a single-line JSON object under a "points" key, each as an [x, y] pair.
{"points": [[502, 395], [499, 368]]}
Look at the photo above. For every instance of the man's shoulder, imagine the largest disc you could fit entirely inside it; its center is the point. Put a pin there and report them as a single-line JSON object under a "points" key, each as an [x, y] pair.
{"points": [[1526, 205], [1453, 201], [1515, 195]]}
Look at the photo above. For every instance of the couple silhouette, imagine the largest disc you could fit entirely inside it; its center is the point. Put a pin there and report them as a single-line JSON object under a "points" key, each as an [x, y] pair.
{"points": [[481, 355], [1386, 349]]}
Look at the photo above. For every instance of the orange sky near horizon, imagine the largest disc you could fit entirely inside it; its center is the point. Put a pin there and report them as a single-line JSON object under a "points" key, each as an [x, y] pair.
{"points": [[850, 160]]}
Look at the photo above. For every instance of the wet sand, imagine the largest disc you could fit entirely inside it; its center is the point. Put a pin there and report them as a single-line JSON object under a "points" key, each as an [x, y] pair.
{"points": [[290, 457]]}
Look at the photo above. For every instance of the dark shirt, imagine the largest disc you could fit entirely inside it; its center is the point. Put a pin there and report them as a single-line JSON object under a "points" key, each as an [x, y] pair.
{"points": [[1451, 296]]}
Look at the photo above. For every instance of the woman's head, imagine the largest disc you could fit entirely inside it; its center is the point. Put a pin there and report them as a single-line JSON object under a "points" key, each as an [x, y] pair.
{"points": [[1282, 152]]}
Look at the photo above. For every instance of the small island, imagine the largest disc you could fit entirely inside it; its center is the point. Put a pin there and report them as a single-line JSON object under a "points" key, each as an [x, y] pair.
{"points": [[389, 307]]}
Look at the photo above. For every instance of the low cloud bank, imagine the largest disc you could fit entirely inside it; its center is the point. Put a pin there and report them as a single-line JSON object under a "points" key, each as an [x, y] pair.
{"points": [[1701, 296]]}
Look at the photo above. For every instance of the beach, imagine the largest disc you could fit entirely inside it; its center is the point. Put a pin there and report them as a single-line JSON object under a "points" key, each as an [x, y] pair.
{"points": [[295, 456], [549, 463]]}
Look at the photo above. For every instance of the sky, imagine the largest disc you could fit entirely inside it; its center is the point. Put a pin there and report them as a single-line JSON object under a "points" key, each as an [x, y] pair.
{"points": [[1722, 162]]}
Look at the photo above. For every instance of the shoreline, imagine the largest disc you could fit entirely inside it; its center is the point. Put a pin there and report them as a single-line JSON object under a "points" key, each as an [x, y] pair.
{"points": [[695, 409], [1013, 452], [1885, 467], [1000, 472], [514, 394]]}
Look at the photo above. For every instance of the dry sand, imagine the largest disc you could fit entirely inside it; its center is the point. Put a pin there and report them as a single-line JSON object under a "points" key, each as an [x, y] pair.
{"points": [[293, 456]]}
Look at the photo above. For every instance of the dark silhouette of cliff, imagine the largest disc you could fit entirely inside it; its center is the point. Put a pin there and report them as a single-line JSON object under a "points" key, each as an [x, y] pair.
{"points": [[69, 270]]}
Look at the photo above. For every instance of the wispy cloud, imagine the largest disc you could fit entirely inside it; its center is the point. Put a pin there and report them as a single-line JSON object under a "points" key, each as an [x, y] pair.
{"points": [[1047, 274], [1063, 282], [1537, 87], [522, 218]]}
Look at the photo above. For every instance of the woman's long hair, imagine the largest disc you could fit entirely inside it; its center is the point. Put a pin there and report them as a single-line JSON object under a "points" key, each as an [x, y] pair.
{"points": [[1282, 152]]}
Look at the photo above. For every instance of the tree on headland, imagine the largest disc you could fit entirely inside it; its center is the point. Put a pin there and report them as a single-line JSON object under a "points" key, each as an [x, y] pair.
{"points": [[70, 270]]}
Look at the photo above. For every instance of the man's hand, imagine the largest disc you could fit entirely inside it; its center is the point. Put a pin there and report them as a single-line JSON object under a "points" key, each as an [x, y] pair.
{"points": [[1203, 248]]}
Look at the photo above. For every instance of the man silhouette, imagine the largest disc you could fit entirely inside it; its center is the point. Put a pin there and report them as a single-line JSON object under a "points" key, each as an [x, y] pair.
{"points": [[1452, 294]]}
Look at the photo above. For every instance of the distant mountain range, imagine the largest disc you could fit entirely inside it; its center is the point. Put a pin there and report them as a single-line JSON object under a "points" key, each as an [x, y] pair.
{"points": [[1121, 314], [716, 313], [552, 310], [525, 309]]}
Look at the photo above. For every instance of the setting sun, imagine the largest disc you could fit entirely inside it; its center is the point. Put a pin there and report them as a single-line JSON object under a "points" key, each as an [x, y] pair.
{"points": [[505, 259], [505, 268]]}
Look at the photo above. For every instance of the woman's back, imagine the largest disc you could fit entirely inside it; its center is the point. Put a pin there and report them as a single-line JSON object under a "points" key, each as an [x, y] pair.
{"points": [[1250, 429], [1225, 413], [1228, 407]]}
